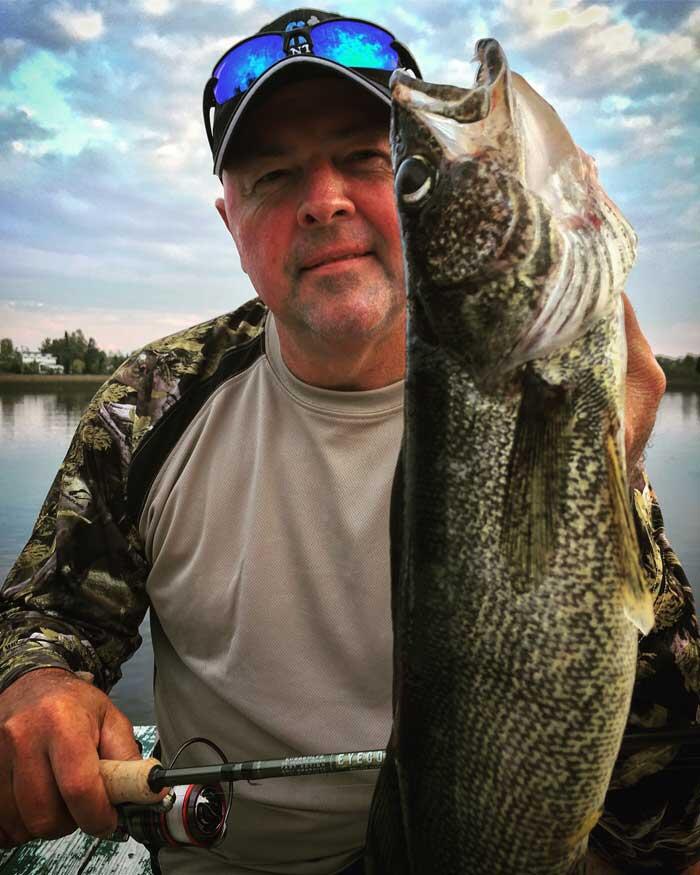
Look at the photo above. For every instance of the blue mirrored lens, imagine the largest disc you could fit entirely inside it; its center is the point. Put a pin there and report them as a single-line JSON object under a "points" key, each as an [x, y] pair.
{"points": [[351, 43], [238, 70], [355, 44]]}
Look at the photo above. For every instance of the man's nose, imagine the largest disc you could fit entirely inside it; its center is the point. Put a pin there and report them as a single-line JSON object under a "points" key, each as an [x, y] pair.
{"points": [[325, 197]]}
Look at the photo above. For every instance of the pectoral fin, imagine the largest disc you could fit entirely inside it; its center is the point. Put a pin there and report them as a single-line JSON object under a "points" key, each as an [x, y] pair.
{"points": [[636, 598], [534, 480]]}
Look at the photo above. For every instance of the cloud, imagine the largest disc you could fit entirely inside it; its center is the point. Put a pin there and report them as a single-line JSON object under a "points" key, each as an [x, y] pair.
{"points": [[672, 51], [631, 122], [191, 53], [680, 188], [17, 124], [79, 25], [548, 19], [643, 134], [11, 51], [692, 23], [690, 217], [613, 103], [157, 44], [607, 158], [664, 15], [23, 305], [592, 50], [98, 226], [156, 7], [29, 24]]}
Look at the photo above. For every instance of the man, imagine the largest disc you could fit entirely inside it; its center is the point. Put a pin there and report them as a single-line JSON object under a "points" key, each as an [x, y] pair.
{"points": [[236, 477]]}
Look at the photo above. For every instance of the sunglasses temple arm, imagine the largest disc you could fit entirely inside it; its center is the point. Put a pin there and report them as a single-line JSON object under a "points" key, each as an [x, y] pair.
{"points": [[406, 58], [208, 103]]}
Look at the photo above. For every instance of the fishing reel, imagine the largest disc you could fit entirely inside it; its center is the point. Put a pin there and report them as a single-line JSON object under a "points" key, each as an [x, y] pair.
{"points": [[195, 814], [190, 814]]}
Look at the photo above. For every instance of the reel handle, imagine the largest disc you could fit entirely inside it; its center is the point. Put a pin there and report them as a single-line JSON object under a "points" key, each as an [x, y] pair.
{"points": [[127, 781]]}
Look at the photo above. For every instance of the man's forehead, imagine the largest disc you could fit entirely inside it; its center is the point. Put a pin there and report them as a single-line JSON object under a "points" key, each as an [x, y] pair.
{"points": [[272, 143], [331, 108]]}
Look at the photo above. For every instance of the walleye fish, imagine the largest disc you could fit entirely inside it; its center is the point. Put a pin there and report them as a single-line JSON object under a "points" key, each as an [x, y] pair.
{"points": [[516, 586]]}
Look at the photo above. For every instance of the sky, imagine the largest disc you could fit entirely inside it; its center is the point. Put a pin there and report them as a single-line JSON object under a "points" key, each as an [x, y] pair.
{"points": [[107, 219]]}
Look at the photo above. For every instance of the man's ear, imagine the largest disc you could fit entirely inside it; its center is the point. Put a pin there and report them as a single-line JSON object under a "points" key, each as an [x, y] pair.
{"points": [[220, 205]]}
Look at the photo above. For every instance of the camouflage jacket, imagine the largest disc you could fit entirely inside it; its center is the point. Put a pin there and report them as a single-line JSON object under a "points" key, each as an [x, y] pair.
{"points": [[77, 593]]}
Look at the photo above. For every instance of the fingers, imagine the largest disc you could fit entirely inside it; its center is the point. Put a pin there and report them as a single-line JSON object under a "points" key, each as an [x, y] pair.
{"points": [[75, 766], [643, 371], [36, 795], [117, 740], [30, 802], [51, 726], [12, 830], [644, 388]]}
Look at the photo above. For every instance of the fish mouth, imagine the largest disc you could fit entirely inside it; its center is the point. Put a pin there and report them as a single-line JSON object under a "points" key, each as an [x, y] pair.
{"points": [[464, 105], [466, 123], [497, 117]]}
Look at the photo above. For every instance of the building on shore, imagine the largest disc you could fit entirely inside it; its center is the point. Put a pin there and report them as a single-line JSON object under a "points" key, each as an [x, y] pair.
{"points": [[47, 364]]}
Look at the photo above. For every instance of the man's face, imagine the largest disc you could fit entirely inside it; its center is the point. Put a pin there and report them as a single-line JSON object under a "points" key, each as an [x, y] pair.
{"points": [[309, 201]]}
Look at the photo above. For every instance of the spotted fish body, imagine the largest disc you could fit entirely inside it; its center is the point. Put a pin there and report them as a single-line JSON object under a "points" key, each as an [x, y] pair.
{"points": [[517, 596]]}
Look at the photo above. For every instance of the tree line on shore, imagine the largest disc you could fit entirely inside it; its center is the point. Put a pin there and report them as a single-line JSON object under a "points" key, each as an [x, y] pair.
{"points": [[79, 355], [681, 372], [74, 352]]}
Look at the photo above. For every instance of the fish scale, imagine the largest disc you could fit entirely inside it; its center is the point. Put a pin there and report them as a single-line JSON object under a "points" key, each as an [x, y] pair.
{"points": [[516, 591]]}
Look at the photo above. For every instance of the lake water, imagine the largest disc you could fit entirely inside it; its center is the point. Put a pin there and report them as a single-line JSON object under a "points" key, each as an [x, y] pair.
{"points": [[36, 427]]}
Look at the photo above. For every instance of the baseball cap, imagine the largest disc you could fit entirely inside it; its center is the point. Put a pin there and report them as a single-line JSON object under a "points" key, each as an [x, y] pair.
{"points": [[299, 44]]}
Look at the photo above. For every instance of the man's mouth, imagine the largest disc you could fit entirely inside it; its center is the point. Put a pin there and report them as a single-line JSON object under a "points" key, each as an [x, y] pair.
{"points": [[330, 258]]}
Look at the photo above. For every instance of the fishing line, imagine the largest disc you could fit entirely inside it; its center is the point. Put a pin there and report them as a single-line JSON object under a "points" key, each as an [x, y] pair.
{"points": [[224, 759]]}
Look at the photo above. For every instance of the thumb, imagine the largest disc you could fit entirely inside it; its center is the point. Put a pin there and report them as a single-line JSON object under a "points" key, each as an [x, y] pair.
{"points": [[117, 740]]}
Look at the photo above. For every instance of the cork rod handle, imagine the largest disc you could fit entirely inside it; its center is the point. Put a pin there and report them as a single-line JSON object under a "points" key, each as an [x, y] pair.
{"points": [[127, 781]]}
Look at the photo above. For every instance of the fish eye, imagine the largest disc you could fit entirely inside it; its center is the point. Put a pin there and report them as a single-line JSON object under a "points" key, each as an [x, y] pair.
{"points": [[415, 180]]}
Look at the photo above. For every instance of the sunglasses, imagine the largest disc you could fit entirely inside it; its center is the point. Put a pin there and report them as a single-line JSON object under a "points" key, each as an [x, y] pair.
{"points": [[351, 42]]}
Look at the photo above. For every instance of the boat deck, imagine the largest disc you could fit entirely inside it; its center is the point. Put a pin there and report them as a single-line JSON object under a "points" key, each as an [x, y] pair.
{"points": [[81, 854]]}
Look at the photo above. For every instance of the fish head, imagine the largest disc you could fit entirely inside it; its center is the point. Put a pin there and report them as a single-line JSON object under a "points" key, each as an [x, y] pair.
{"points": [[455, 152], [488, 183]]}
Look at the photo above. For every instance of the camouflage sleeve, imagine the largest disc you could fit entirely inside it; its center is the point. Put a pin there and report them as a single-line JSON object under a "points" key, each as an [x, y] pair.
{"points": [[650, 822], [76, 594]]}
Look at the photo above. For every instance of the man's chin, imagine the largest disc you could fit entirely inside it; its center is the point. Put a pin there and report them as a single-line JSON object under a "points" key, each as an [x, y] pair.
{"points": [[342, 313], [340, 278]]}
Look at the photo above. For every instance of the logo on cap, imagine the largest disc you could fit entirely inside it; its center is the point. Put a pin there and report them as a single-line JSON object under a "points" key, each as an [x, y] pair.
{"points": [[298, 43]]}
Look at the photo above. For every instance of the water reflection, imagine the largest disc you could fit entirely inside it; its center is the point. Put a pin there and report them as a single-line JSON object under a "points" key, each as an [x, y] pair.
{"points": [[37, 415], [690, 404], [679, 414]]}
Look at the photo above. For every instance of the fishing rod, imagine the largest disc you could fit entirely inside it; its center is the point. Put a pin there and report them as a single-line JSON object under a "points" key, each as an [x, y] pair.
{"points": [[194, 810]]}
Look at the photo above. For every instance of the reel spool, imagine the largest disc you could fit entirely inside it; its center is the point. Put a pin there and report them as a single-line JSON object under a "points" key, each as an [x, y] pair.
{"points": [[189, 815]]}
